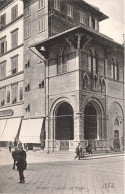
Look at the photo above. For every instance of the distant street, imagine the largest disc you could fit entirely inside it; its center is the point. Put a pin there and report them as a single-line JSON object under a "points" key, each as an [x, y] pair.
{"points": [[58, 173]]}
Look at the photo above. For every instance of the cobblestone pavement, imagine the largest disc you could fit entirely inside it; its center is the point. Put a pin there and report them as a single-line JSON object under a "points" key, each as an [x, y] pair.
{"points": [[59, 173]]}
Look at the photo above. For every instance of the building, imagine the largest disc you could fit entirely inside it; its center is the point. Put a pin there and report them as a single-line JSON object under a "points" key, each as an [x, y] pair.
{"points": [[73, 77], [11, 69]]}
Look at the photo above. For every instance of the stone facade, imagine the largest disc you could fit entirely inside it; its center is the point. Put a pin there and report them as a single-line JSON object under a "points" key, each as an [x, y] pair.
{"points": [[80, 71]]}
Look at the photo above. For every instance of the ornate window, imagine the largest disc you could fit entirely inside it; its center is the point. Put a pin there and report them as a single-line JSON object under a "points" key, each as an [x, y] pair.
{"points": [[90, 61], [62, 59]]}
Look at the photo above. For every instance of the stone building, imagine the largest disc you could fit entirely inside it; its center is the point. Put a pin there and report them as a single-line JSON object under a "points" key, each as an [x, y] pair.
{"points": [[73, 76], [11, 69]]}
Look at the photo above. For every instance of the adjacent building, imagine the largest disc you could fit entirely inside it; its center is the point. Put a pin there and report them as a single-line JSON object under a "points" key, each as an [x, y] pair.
{"points": [[11, 68]]}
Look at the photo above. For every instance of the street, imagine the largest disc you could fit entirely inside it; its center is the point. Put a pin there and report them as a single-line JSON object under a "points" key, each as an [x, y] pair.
{"points": [[58, 172]]}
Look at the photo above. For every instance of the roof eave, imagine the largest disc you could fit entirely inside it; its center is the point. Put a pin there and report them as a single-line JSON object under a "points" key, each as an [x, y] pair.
{"points": [[75, 30]]}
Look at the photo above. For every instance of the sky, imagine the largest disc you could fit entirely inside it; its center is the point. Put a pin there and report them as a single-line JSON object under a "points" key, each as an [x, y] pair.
{"points": [[114, 25]]}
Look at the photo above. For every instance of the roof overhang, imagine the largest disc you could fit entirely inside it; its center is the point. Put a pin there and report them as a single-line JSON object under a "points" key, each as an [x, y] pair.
{"points": [[79, 29], [92, 9]]}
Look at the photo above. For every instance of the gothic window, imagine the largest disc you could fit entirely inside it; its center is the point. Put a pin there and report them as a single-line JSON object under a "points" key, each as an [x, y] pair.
{"points": [[85, 82], [90, 61], [116, 122], [103, 86], [62, 59]]}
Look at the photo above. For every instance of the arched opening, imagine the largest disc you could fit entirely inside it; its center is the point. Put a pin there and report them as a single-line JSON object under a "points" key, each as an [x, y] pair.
{"points": [[90, 122], [64, 125]]}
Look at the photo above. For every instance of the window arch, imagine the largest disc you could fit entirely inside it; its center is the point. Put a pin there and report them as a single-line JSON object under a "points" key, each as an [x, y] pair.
{"points": [[102, 82], [90, 61], [62, 59], [85, 81]]}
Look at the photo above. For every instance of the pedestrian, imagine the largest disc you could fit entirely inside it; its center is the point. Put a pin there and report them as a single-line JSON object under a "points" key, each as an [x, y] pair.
{"points": [[22, 153], [77, 152], [15, 155], [89, 149], [21, 164], [19, 145], [10, 146], [15, 143]]}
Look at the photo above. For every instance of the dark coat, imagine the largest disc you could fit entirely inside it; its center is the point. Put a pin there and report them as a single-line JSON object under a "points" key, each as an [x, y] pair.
{"points": [[22, 153], [77, 150], [21, 163]]}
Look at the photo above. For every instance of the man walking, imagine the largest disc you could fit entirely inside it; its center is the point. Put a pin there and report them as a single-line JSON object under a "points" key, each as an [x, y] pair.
{"points": [[21, 164]]}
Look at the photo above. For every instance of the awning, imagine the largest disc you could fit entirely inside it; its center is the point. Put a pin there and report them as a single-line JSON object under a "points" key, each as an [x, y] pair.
{"points": [[30, 130], [10, 130]]}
